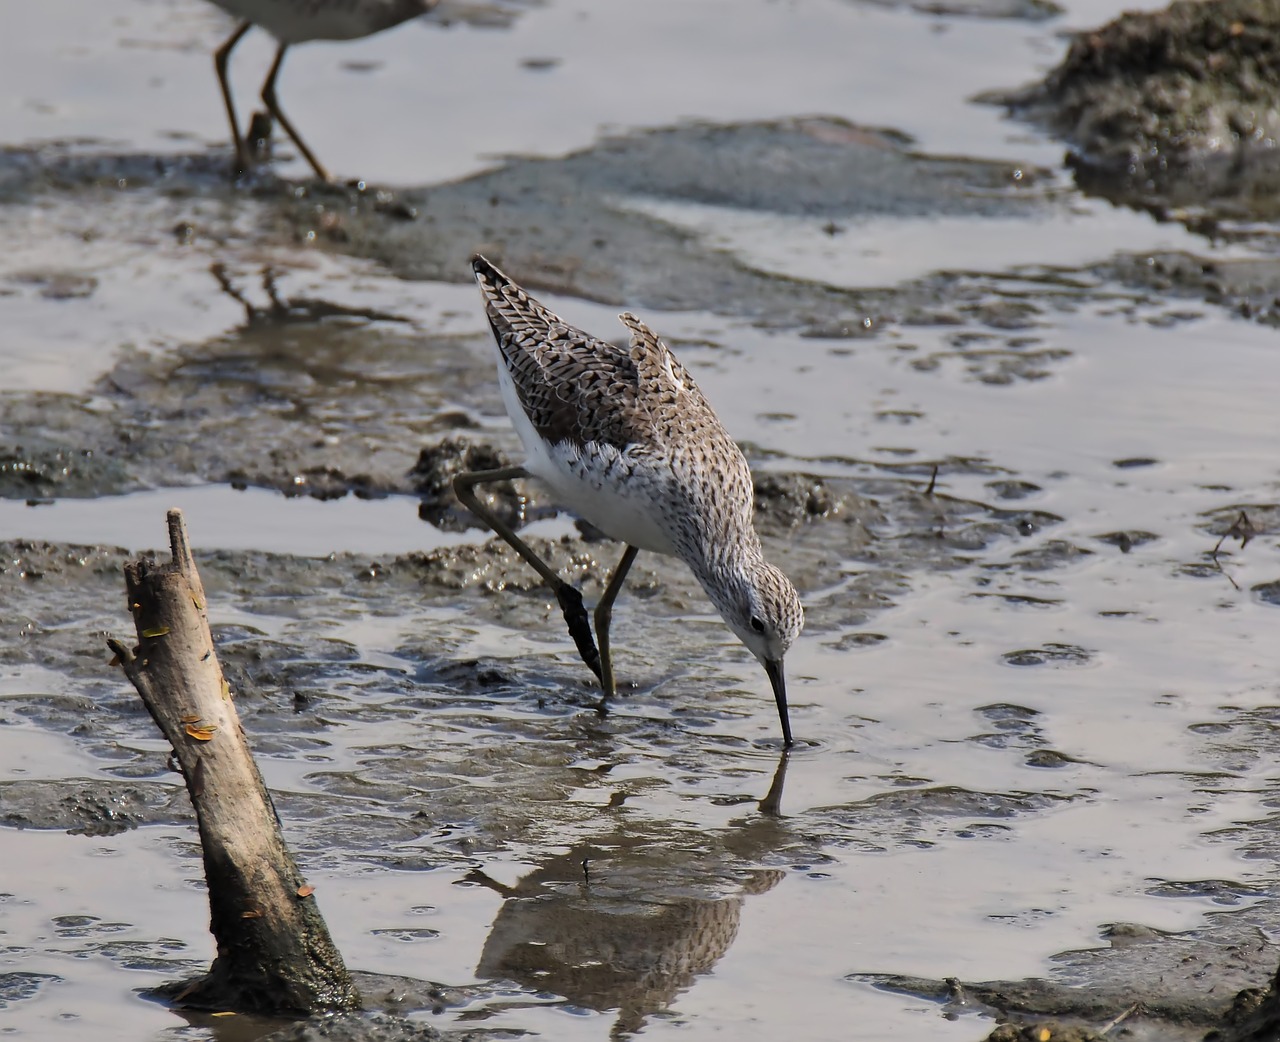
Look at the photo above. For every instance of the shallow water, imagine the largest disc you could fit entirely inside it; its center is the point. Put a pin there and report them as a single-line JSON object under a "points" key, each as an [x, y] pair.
{"points": [[1030, 705]]}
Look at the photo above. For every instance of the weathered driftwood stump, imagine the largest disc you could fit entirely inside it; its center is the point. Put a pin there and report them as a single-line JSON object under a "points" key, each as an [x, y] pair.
{"points": [[274, 950]]}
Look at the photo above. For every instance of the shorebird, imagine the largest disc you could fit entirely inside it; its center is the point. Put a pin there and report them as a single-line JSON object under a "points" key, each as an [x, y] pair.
{"points": [[624, 438], [297, 21]]}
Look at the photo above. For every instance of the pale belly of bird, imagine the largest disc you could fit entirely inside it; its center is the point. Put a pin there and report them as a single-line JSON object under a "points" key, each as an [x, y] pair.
{"points": [[621, 497]]}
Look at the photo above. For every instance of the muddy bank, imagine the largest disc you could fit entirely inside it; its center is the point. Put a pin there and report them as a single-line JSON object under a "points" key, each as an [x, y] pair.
{"points": [[300, 671], [1205, 983], [585, 225], [311, 394], [1170, 108], [1246, 287], [582, 225]]}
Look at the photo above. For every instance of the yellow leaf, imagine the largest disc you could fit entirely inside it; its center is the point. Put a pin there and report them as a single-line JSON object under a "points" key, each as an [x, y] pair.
{"points": [[226, 688], [190, 718], [306, 891], [201, 732], [1045, 1035], [158, 631], [224, 1013], [199, 607]]}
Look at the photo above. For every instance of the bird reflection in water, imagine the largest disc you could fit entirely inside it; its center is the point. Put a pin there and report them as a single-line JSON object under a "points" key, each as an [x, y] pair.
{"points": [[281, 311], [609, 926]]}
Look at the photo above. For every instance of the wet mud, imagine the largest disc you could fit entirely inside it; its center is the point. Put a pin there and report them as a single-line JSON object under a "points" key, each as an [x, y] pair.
{"points": [[1169, 108], [351, 381], [585, 223]]}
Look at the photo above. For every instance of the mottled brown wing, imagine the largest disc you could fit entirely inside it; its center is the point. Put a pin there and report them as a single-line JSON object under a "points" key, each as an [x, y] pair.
{"points": [[573, 386], [673, 397], [703, 460]]}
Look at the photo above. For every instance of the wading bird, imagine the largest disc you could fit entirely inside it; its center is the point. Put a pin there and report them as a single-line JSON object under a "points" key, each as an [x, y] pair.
{"points": [[297, 21], [624, 438]]}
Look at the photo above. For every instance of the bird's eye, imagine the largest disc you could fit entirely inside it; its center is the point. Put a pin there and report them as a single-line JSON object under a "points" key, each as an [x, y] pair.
{"points": [[757, 624]]}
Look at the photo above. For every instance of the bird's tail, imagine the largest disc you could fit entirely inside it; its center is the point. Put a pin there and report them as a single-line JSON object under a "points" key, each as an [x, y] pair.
{"points": [[509, 308]]}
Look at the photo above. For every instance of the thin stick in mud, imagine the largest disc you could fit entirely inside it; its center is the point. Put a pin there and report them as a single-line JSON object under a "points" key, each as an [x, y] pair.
{"points": [[275, 954]]}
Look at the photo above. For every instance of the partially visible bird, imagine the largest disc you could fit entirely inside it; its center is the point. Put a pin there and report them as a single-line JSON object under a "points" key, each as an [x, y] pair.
{"points": [[624, 437], [297, 21]]}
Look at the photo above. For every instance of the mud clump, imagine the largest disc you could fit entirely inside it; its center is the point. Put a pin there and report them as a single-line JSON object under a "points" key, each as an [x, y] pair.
{"points": [[1254, 1017], [36, 470], [606, 224], [788, 500], [90, 807], [495, 567], [1048, 655], [1176, 105], [432, 479], [1036, 1032]]}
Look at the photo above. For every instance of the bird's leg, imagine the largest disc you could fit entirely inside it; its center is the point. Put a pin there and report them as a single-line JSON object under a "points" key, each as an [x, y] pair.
{"points": [[220, 58], [575, 615], [273, 106], [604, 615]]}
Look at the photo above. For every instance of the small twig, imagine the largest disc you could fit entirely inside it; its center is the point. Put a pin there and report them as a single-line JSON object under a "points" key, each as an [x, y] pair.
{"points": [[1242, 529], [933, 481], [1116, 1021], [121, 652], [219, 272]]}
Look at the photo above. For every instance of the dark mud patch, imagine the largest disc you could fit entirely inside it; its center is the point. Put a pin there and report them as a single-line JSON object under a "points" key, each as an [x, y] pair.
{"points": [[1170, 108], [923, 815], [1182, 984], [324, 409], [374, 1027], [309, 675], [994, 358], [1127, 541], [1247, 287], [577, 224], [389, 1004], [36, 468], [1026, 10], [91, 807], [19, 986], [1048, 655], [432, 477]]}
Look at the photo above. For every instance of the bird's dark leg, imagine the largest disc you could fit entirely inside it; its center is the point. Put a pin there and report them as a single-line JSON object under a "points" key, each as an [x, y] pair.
{"points": [[575, 615], [220, 58], [273, 106], [604, 615]]}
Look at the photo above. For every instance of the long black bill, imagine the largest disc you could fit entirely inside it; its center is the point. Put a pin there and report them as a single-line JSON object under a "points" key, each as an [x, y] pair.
{"points": [[774, 669]]}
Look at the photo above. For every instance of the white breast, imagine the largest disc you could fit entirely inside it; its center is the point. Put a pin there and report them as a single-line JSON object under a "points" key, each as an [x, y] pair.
{"points": [[625, 505]]}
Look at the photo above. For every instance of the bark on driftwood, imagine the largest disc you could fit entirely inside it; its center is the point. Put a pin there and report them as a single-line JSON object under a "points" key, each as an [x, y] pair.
{"points": [[274, 950]]}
